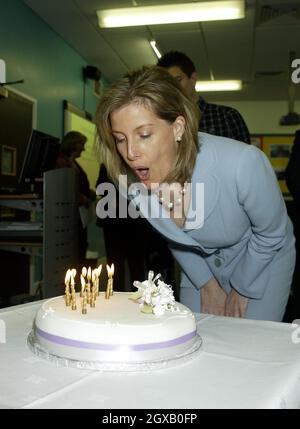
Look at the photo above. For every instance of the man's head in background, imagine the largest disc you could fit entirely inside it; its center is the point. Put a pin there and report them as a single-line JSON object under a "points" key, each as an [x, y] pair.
{"points": [[183, 69]]}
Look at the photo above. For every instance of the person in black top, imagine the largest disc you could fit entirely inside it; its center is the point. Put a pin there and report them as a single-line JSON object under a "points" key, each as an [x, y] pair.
{"points": [[70, 149], [215, 119], [292, 177], [292, 172]]}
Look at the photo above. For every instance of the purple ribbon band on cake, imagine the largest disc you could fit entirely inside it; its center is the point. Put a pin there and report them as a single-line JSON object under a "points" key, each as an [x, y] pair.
{"points": [[114, 347]]}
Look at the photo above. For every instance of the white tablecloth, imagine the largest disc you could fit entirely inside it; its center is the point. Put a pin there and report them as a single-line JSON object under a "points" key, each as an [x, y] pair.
{"points": [[241, 364]]}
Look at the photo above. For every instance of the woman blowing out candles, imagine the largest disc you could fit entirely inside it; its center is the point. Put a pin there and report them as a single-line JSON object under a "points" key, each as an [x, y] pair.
{"points": [[231, 235]]}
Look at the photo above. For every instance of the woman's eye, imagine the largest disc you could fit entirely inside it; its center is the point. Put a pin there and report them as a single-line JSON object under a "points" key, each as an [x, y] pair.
{"points": [[119, 140], [145, 136]]}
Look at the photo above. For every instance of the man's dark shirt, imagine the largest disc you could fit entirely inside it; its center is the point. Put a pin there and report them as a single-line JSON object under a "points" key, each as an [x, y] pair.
{"points": [[222, 121]]}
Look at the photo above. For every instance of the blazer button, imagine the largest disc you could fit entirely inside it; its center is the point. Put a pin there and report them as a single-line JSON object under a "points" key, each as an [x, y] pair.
{"points": [[218, 263]]}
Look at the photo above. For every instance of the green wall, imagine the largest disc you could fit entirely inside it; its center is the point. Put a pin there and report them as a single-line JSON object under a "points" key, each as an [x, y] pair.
{"points": [[52, 70]]}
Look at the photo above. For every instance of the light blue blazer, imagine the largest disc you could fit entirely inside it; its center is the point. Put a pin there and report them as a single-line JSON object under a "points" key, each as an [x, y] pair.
{"points": [[245, 239]]}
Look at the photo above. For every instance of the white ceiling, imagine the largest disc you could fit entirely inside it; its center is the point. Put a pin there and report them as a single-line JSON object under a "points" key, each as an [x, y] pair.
{"points": [[255, 49]]}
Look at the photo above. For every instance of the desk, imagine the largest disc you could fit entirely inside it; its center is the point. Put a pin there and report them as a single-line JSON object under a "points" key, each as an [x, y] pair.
{"points": [[24, 237], [241, 364], [54, 238]]}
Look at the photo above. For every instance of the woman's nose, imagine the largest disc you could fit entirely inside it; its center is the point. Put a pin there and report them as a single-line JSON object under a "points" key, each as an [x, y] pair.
{"points": [[132, 151]]}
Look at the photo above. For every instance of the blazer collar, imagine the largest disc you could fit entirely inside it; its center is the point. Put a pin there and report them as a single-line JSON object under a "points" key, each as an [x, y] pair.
{"points": [[205, 174]]}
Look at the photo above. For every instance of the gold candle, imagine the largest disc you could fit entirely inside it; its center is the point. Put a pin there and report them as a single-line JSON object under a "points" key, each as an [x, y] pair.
{"points": [[92, 293], [72, 283], [83, 275], [109, 288], [94, 283], [73, 274], [99, 269], [73, 292], [93, 300], [89, 276], [67, 287], [84, 303], [82, 285], [73, 296]]}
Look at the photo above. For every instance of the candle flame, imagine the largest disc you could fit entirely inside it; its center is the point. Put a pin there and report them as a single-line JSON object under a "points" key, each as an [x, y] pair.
{"points": [[110, 270], [99, 269], [74, 272], [84, 271], [67, 277], [82, 282], [89, 273], [95, 275]]}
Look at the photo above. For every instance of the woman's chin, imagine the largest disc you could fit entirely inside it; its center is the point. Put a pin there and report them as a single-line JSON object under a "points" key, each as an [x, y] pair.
{"points": [[151, 185], [144, 181]]}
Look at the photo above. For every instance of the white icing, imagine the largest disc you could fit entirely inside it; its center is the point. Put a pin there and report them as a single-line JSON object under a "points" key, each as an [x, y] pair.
{"points": [[117, 321]]}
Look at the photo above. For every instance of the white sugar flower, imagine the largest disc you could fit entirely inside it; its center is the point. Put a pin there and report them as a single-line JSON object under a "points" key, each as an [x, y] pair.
{"points": [[155, 294]]}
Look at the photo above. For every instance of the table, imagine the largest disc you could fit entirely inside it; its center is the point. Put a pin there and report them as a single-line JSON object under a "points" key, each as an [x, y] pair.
{"points": [[241, 364]]}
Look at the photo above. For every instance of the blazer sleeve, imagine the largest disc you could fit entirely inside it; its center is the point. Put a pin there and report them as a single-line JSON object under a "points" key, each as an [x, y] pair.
{"points": [[260, 196], [193, 264]]}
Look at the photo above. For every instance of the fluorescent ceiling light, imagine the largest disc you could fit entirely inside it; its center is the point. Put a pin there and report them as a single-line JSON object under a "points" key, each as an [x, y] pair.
{"points": [[218, 85], [155, 49], [171, 13]]}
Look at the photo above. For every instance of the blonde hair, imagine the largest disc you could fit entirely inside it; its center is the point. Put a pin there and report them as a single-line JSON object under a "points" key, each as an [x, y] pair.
{"points": [[156, 89]]}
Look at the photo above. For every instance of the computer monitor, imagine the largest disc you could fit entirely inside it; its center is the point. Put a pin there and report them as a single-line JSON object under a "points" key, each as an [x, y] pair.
{"points": [[40, 156]]}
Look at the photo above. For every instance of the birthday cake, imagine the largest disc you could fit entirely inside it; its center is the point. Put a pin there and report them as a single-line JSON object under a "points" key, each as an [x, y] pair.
{"points": [[125, 331]]}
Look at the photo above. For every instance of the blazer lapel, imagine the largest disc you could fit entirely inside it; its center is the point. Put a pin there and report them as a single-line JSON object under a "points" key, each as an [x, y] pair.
{"points": [[203, 174]]}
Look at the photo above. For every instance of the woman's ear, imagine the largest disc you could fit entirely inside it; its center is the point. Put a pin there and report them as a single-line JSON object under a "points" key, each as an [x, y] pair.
{"points": [[179, 127]]}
